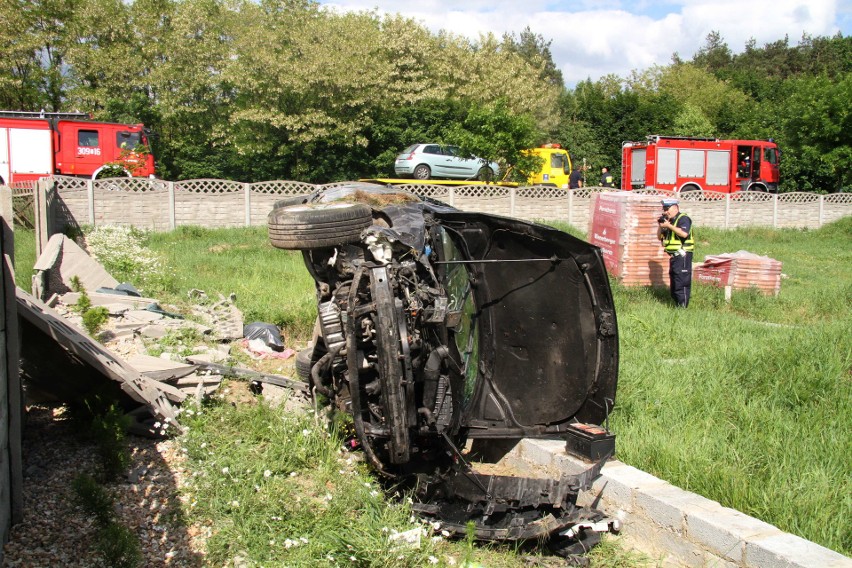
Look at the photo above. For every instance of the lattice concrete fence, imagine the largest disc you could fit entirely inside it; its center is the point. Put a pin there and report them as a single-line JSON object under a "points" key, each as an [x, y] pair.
{"points": [[163, 205]]}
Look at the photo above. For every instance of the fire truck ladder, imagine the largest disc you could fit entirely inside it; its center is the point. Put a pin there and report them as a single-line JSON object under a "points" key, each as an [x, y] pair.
{"points": [[43, 114]]}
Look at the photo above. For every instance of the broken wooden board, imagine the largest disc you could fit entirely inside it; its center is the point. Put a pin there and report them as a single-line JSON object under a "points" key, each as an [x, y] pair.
{"points": [[82, 348]]}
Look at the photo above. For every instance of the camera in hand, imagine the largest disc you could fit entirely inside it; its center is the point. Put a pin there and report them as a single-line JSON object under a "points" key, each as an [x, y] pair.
{"points": [[662, 219]]}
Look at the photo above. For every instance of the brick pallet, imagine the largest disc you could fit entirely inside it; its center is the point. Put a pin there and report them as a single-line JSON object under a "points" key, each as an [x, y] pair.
{"points": [[741, 270], [624, 225]]}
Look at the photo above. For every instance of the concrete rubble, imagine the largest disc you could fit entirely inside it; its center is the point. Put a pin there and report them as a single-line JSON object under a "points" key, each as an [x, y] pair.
{"points": [[145, 353]]}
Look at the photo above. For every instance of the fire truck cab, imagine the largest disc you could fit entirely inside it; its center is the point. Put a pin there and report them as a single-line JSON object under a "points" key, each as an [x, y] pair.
{"points": [[704, 164], [34, 145]]}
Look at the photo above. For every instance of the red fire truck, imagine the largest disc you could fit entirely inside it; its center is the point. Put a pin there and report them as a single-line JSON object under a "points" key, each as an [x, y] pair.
{"points": [[704, 164], [34, 145]]}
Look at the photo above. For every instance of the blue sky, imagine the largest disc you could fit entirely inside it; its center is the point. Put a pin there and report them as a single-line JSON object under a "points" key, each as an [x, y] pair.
{"points": [[593, 38]]}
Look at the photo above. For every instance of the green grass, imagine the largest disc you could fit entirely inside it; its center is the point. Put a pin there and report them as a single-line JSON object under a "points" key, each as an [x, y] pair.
{"points": [[25, 257], [278, 489], [271, 285], [748, 403]]}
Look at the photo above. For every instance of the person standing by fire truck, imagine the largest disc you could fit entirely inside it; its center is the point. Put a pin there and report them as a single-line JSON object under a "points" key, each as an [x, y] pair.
{"points": [[675, 233]]}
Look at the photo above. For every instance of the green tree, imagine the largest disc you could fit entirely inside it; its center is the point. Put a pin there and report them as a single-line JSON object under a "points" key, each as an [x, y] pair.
{"points": [[690, 121], [534, 49], [817, 139], [33, 38]]}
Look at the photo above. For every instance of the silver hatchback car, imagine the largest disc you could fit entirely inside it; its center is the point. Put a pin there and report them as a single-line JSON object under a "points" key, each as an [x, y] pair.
{"points": [[426, 161]]}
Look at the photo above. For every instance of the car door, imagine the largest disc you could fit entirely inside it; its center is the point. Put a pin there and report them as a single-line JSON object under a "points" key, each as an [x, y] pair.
{"points": [[459, 165]]}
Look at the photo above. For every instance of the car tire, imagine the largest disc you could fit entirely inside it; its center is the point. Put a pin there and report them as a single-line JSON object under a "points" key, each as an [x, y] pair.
{"points": [[324, 225], [422, 171], [485, 174]]}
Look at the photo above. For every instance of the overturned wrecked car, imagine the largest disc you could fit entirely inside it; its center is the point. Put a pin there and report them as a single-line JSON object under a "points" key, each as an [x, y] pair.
{"points": [[446, 335]]}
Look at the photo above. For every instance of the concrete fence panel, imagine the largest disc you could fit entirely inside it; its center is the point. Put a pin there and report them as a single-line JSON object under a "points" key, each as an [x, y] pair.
{"points": [[162, 205]]}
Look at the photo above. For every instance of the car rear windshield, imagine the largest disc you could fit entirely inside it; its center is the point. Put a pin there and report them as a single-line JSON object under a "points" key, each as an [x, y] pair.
{"points": [[410, 149]]}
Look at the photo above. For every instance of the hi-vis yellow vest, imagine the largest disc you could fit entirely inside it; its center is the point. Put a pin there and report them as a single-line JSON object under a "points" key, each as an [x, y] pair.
{"points": [[672, 242]]}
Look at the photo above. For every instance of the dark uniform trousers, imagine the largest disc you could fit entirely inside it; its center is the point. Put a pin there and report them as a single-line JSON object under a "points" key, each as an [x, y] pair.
{"points": [[680, 278]]}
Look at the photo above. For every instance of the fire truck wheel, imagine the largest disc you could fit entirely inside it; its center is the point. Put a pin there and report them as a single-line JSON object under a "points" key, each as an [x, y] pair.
{"points": [[110, 171], [322, 225], [422, 172]]}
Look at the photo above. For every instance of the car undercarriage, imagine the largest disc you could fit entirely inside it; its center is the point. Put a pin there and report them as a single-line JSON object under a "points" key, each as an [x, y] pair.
{"points": [[446, 335]]}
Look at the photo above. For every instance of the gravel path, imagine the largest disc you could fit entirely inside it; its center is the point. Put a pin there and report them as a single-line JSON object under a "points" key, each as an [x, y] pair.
{"points": [[57, 533]]}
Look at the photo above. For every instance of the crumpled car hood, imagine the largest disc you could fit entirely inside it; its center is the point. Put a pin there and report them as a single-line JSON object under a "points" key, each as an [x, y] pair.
{"points": [[547, 328]]}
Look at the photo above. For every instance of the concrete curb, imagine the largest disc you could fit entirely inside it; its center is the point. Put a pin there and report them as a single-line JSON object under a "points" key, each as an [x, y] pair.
{"points": [[679, 527]]}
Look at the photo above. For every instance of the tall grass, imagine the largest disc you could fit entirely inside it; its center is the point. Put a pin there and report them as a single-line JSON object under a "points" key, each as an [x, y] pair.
{"points": [[748, 403], [25, 257], [277, 488]]}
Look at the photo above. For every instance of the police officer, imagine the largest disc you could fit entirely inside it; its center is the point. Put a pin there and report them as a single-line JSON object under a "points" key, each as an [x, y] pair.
{"points": [[675, 234], [575, 180], [606, 178]]}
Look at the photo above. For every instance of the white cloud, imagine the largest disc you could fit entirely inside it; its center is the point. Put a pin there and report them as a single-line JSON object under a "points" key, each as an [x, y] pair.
{"points": [[593, 38]]}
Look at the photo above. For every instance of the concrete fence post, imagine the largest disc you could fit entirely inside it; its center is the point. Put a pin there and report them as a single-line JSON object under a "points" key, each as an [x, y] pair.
{"points": [[512, 201], [821, 210], [42, 231], [90, 195], [775, 211], [727, 209], [172, 208], [11, 498], [247, 191], [451, 196], [571, 207]]}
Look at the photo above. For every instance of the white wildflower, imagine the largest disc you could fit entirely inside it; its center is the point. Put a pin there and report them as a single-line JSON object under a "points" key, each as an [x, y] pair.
{"points": [[433, 560], [267, 473], [235, 503], [225, 470]]}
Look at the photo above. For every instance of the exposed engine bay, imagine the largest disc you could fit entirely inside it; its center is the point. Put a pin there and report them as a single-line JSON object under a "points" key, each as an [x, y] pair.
{"points": [[446, 335]]}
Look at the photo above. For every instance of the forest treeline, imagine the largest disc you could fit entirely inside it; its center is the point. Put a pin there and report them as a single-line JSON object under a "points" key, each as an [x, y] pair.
{"points": [[285, 89]]}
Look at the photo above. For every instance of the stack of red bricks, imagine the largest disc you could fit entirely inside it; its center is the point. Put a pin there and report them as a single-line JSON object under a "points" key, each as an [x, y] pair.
{"points": [[741, 270], [624, 225]]}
